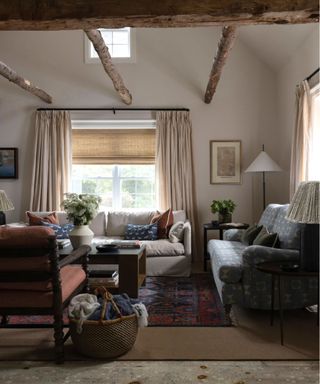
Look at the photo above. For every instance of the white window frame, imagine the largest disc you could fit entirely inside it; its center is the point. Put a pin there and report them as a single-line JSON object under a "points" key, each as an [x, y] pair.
{"points": [[95, 60]]}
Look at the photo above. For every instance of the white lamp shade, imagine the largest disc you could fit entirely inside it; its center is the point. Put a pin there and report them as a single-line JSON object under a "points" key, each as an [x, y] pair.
{"points": [[263, 163], [304, 207], [5, 202]]}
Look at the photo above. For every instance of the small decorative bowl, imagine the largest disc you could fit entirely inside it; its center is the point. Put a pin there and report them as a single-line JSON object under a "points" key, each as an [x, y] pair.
{"points": [[106, 247]]}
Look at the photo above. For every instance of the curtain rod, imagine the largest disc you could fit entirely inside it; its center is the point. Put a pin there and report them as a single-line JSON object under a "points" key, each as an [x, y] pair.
{"points": [[113, 109], [312, 74]]}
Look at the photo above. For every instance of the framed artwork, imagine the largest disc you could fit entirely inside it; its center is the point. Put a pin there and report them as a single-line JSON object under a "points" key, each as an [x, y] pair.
{"points": [[225, 162], [8, 163]]}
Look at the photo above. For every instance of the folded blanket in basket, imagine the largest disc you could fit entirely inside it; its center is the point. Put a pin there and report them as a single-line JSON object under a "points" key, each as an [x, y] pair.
{"points": [[81, 307], [124, 304]]}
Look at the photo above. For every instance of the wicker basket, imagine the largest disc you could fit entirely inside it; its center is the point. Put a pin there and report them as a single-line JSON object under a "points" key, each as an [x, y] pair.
{"points": [[105, 338]]}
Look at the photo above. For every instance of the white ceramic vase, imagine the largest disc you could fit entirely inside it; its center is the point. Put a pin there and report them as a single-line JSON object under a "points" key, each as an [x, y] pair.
{"points": [[80, 235]]}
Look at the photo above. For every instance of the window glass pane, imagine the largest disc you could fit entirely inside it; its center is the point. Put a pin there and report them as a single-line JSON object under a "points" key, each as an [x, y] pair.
{"points": [[107, 37], [314, 153], [137, 171], [120, 51], [93, 52], [125, 186], [121, 37]]}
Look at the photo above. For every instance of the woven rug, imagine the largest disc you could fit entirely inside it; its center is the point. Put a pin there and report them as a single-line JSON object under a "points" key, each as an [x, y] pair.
{"points": [[183, 302], [171, 302]]}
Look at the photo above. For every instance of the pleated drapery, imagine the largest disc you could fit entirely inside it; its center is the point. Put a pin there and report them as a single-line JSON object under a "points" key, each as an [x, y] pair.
{"points": [[301, 137], [174, 166], [52, 160]]}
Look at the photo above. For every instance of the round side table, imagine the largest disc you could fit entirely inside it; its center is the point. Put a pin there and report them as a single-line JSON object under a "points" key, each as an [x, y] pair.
{"points": [[277, 270]]}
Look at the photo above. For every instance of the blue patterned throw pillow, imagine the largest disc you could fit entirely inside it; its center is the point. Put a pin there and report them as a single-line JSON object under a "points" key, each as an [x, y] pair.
{"points": [[62, 232], [141, 232]]}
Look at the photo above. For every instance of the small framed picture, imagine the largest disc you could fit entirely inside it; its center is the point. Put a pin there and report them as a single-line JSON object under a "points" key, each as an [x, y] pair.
{"points": [[225, 162], [8, 163]]}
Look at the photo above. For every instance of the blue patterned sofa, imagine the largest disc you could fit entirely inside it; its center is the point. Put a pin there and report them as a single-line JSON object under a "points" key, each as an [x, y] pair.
{"points": [[234, 270]]}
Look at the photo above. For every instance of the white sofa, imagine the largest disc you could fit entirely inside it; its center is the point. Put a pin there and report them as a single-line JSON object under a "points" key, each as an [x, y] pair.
{"points": [[164, 258]]}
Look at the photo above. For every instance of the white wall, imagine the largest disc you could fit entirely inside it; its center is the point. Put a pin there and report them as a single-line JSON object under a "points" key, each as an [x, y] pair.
{"points": [[301, 64], [171, 70]]}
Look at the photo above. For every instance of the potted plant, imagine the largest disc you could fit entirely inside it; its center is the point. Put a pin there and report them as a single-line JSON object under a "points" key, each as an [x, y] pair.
{"points": [[224, 208], [81, 209]]}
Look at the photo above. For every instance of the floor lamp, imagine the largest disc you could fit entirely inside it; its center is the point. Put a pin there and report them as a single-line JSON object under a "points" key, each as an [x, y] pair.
{"points": [[263, 163], [5, 205], [305, 208]]}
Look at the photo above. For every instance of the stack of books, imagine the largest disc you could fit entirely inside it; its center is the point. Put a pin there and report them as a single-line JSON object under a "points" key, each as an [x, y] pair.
{"points": [[62, 243], [107, 278]]}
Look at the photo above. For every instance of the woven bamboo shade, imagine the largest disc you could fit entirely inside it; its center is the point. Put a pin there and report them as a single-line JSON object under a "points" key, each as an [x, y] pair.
{"points": [[113, 146]]}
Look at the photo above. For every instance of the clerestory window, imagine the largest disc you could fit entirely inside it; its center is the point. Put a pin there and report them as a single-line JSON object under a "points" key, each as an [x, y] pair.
{"points": [[120, 42]]}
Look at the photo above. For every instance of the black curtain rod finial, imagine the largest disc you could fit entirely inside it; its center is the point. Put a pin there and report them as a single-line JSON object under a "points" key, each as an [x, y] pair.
{"points": [[312, 74]]}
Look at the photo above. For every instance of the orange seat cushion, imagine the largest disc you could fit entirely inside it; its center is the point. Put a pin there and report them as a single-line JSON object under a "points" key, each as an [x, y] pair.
{"points": [[39, 294]]}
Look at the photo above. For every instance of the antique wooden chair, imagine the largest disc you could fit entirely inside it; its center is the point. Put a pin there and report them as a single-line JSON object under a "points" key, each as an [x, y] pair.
{"points": [[33, 281]]}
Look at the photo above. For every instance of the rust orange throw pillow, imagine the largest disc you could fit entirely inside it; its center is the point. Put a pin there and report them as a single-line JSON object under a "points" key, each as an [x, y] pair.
{"points": [[37, 220], [164, 221]]}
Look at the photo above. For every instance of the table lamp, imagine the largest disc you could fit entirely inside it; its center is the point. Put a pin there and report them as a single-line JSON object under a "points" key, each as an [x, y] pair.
{"points": [[5, 205], [304, 208], [263, 163]]}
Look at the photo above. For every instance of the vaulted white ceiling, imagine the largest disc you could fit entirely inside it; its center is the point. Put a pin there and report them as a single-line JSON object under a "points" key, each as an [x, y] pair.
{"points": [[274, 44]]}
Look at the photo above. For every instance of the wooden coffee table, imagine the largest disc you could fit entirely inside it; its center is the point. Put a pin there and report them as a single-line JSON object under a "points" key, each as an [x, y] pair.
{"points": [[131, 262]]}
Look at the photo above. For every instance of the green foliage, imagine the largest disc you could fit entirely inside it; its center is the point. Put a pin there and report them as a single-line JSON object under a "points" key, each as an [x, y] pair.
{"points": [[81, 209], [222, 206]]}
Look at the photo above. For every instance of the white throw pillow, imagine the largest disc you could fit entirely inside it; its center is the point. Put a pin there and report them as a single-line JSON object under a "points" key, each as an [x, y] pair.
{"points": [[176, 232]]}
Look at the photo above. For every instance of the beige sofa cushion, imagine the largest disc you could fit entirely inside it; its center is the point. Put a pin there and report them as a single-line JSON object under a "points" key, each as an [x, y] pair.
{"points": [[163, 247], [118, 220]]}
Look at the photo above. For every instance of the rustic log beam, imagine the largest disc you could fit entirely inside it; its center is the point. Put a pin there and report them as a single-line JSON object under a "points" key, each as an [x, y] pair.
{"points": [[11, 75], [224, 48], [103, 52], [93, 14]]}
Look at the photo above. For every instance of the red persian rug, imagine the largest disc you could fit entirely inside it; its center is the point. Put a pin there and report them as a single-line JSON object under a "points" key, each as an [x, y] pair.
{"points": [[171, 302], [183, 302]]}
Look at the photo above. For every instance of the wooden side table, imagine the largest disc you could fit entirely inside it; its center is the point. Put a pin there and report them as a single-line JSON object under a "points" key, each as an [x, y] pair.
{"points": [[275, 269], [217, 227]]}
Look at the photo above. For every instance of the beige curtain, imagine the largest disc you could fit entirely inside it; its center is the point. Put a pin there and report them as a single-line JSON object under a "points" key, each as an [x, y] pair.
{"points": [[52, 160], [174, 166], [300, 142]]}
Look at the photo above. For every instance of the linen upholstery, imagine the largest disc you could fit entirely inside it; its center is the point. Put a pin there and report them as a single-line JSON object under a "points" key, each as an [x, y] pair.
{"points": [[234, 266], [163, 247], [228, 260], [163, 259], [233, 234]]}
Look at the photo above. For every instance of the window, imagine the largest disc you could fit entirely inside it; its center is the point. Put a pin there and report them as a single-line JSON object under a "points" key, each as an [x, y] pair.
{"points": [[117, 164], [120, 43], [120, 186], [314, 153]]}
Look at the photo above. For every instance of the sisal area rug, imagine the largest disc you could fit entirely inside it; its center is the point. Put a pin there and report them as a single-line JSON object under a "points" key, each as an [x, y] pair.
{"points": [[183, 302]]}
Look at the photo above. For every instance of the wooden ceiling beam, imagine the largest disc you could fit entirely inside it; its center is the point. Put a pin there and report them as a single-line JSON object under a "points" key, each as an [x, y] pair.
{"points": [[12, 76], [103, 52], [224, 47], [93, 14]]}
